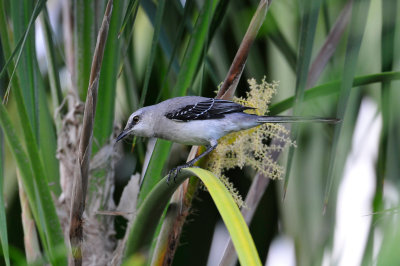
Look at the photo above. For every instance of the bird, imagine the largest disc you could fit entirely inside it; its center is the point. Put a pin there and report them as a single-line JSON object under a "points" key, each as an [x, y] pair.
{"points": [[201, 121]]}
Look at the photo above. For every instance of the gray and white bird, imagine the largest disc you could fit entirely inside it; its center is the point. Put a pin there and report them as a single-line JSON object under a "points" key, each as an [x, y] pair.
{"points": [[195, 120]]}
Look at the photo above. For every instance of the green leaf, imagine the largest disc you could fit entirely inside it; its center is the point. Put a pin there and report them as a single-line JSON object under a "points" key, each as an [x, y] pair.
{"points": [[156, 165], [219, 14], [31, 85], [177, 44], [356, 33], [48, 145], [389, 18], [84, 41], [53, 68], [271, 30], [307, 33], [164, 41], [152, 56], [233, 219], [37, 191], [194, 52], [104, 117], [130, 11], [3, 221], [151, 210], [332, 88], [31, 166], [22, 40], [23, 16], [149, 213]]}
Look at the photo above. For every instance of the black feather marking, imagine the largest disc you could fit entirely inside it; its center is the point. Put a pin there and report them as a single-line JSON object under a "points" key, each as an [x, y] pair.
{"points": [[208, 109]]}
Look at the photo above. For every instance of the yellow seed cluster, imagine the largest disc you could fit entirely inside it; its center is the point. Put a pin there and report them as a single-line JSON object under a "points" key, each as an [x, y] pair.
{"points": [[253, 147]]}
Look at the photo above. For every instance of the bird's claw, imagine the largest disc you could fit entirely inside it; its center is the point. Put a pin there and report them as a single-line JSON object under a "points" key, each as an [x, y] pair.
{"points": [[175, 171]]}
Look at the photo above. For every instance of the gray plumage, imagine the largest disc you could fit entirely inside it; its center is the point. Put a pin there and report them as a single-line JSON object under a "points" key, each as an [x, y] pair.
{"points": [[195, 120]]}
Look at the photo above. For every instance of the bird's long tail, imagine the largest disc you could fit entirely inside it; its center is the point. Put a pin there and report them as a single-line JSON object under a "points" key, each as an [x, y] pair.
{"points": [[296, 119]]}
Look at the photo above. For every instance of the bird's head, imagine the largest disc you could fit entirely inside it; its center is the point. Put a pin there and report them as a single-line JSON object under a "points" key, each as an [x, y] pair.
{"points": [[139, 124]]}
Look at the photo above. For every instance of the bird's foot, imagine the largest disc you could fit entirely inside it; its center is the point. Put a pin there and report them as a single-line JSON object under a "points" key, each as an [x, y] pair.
{"points": [[175, 171]]}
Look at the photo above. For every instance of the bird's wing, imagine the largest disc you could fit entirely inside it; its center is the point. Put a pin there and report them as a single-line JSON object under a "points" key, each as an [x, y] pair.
{"points": [[208, 109]]}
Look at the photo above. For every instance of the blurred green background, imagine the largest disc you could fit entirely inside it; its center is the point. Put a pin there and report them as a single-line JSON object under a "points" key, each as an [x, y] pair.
{"points": [[338, 204]]}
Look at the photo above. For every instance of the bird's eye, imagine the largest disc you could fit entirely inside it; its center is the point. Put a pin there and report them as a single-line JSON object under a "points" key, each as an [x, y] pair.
{"points": [[135, 119]]}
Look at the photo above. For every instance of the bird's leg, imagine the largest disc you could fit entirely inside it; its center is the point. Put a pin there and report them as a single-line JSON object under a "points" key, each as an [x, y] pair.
{"points": [[175, 171]]}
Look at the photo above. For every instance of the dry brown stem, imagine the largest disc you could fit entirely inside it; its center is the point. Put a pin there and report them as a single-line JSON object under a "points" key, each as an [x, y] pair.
{"points": [[81, 172], [229, 85]]}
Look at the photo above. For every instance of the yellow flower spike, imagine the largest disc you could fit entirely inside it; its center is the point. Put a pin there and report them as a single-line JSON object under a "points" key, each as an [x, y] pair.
{"points": [[249, 147]]}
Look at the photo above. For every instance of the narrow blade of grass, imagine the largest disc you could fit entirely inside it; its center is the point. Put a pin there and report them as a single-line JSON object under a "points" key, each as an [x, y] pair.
{"points": [[194, 52], [330, 45], [21, 43], [325, 16], [154, 43], [46, 135], [356, 32], [22, 17], [55, 85], [307, 33], [332, 88], [176, 45], [3, 221], [130, 11], [219, 14], [48, 145], [151, 9], [389, 18], [84, 38], [104, 119], [273, 32], [32, 86], [47, 127]]}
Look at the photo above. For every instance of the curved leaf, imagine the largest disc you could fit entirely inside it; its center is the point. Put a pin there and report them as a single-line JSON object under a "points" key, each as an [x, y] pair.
{"points": [[232, 217], [153, 206]]}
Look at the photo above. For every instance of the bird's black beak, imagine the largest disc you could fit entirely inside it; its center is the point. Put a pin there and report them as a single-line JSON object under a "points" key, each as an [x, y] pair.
{"points": [[122, 135]]}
